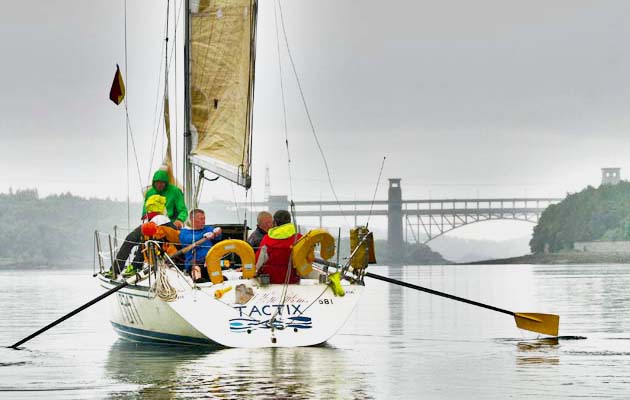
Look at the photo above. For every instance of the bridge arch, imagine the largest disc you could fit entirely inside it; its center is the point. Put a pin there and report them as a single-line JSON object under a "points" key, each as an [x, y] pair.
{"points": [[410, 233], [429, 219]]}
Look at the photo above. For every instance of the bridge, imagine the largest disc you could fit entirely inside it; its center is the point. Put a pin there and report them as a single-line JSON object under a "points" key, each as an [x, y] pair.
{"points": [[419, 220]]}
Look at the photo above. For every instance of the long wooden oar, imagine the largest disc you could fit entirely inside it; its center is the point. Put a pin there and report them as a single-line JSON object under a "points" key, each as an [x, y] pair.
{"points": [[130, 281], [113, 290], [189, 247], [535, 322]]}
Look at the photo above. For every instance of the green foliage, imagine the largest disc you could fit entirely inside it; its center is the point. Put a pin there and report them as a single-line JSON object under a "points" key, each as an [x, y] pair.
{"points": [[592, 214], [411, 254], [59, 229], [55, 229]]}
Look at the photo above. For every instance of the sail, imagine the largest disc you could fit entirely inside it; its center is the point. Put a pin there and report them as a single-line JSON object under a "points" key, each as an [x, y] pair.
{"points": [[222, 53]]}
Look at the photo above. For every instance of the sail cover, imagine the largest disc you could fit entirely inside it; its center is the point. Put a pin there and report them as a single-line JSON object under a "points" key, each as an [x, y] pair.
{"points": [[222, 54]]}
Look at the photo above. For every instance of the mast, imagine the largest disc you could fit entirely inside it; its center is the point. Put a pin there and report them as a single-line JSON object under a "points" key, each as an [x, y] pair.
{"points": [[188, 189]]}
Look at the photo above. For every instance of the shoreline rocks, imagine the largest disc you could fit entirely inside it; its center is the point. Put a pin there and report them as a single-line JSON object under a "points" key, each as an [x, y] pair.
{"points": [[563, 257]]}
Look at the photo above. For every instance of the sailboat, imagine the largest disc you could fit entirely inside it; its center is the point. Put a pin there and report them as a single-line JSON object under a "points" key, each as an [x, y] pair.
{"points": [[236, 308]]}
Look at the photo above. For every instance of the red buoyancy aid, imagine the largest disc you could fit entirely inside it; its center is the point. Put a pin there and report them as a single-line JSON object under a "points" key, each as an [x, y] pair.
{"points": [[279, 242]]}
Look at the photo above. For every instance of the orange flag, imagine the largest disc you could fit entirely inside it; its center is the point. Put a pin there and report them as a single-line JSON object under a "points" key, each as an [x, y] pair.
{"points": [[117, 92]]}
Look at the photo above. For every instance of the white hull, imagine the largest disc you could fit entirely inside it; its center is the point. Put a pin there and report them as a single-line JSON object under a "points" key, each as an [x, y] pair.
{"points": [[310, 314]]}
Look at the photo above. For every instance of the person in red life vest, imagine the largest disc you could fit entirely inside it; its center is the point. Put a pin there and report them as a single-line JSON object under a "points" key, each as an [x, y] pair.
{"points": [[274, 254]]}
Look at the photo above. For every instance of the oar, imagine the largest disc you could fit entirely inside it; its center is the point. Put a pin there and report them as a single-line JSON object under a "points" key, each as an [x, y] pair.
{"points": [[189, 247], [535, 322], [129, 281], [113, 290]]}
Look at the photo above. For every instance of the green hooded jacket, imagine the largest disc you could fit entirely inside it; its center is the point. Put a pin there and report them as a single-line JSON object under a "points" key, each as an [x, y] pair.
{"points": [[175, 204]]}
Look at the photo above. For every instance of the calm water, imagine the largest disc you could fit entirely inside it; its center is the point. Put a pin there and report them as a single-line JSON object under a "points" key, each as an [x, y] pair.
{"points": [[398, 344]]}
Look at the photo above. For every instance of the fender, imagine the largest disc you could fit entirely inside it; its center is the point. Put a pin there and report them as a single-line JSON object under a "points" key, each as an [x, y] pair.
{"points": [[225, 247], [303, 255]]}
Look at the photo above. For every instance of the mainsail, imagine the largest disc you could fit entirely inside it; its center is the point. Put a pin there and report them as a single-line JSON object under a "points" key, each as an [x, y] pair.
{"points": [[221, 65]]}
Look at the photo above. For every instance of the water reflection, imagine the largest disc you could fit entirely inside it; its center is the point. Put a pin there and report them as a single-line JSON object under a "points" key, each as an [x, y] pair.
{"points": [[398, 343], [180, 371], [147, 368], [541, 351], [396, 301]]}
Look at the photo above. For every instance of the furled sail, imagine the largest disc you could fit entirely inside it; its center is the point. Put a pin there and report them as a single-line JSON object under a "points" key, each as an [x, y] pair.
{"points": [[222, 54]]}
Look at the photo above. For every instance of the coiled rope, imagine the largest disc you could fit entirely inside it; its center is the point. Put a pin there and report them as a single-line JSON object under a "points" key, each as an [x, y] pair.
{"points": [[162, 287]]}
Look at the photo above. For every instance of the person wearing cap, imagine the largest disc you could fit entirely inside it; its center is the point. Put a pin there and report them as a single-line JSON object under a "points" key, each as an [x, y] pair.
{"points": [[154, 208], [196, 257], [175, 205], [274, 254], [264, 222]]}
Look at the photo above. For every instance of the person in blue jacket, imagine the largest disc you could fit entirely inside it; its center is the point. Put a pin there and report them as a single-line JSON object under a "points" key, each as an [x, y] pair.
{"points": [[196, 258]]}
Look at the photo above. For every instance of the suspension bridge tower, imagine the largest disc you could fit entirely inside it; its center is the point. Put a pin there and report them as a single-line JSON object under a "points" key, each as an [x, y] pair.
{"points": [[394, 218]]}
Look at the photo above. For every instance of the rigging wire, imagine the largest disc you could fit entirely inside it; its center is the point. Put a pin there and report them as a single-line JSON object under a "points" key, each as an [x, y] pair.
{"points": [[175, 87], [250, 207], [133, 142], [308, 114], [284, 106], [248, 141], [166, 68], [127, 129], [159, 106], [238, 216], [156, 120], [286, 142], [378, 180]]}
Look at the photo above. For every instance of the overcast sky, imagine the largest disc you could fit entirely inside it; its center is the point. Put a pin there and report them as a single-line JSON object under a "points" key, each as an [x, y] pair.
{"points": [[464, 98]]}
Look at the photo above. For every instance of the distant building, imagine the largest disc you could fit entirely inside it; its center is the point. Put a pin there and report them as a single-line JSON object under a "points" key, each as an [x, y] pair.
{"points": [[278, 203], [611, 176], [621, 246]]}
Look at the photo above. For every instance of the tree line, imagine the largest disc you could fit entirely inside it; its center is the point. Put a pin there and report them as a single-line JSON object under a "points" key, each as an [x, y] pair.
{"points": [[55, 229], [59, 229], [601, 213]]}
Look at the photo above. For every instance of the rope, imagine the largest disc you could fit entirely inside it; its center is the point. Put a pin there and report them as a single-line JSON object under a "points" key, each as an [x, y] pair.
{"points": [[127, 129], [133, 142], [162, 288], [284, 107], [375, 190], [175, 103], [286, 142], [308, 114], [159, 105], [94, 251], [238, 216]]}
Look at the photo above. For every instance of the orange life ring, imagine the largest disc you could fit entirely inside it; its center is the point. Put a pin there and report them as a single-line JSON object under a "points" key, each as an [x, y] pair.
{"points": [[225, 247]]}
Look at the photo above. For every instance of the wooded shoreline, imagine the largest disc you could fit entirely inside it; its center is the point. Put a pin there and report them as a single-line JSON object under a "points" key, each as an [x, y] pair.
{"points": [[561, 258]]}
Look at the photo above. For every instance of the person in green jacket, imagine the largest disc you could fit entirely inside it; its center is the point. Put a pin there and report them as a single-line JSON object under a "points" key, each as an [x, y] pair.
{"points": [[175, 205], [175, 208]]}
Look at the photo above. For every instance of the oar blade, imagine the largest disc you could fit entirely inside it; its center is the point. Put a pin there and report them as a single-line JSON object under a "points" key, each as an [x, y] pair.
{"points": [[542, 323]]}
